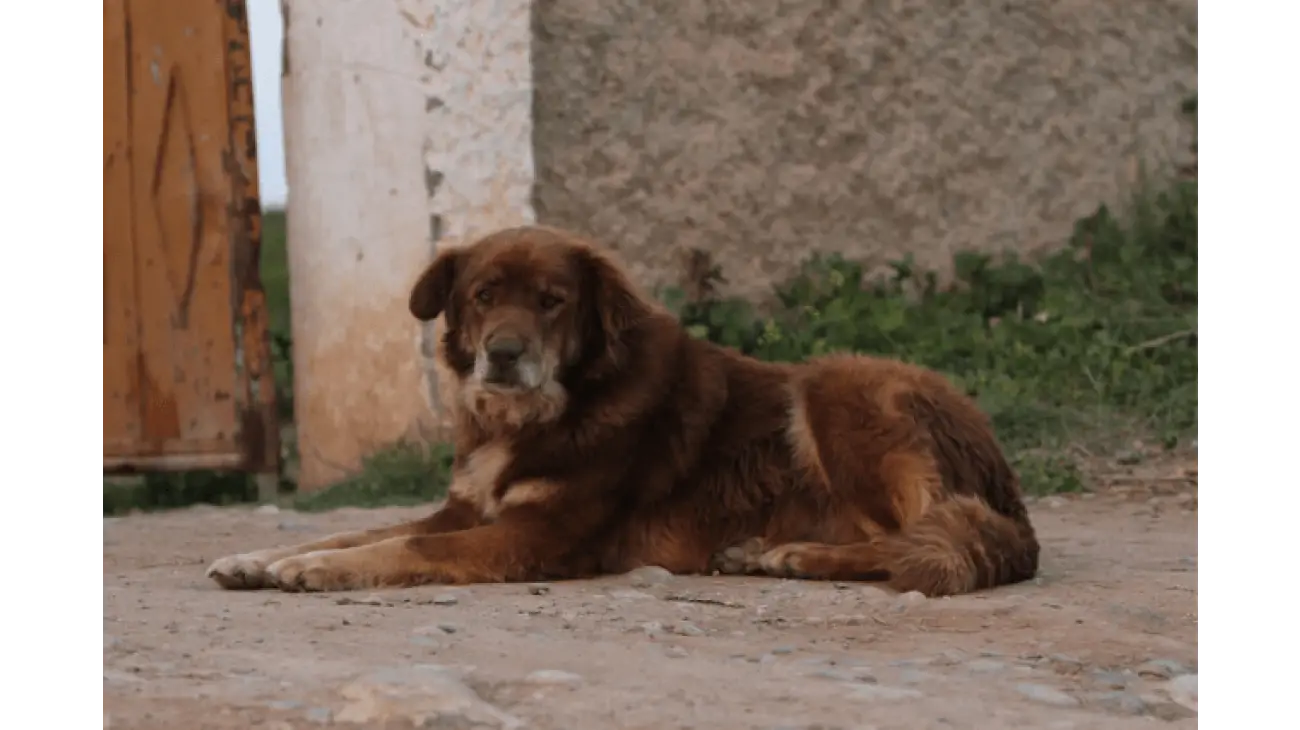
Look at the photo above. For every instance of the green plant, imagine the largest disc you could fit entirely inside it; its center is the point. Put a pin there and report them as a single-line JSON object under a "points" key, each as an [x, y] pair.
{"points": [[403, 474]]}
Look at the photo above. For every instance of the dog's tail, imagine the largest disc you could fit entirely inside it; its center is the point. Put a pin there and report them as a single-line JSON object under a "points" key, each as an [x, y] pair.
{"points": [[958, 545]]}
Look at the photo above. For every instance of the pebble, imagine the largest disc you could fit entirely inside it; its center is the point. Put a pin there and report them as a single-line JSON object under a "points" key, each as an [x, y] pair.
{"points": [[554, 677], [627, 594], [1125, 703], [448, 628], [284, 704], [373, 599], [649, 575], [538, 589], [1182, 689], [1161, 668], [874, 594], [1065, 664], [686, 628], [867, 691], [907, 600], [675, 652], [419, 695], [446, 599], [1046, 695], [1112, 679], [781, 650], [652, 628], [1054, 502], [267, 509]]}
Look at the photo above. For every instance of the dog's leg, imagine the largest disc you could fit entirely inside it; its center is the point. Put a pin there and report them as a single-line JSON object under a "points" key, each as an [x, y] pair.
{"points": [[957, 546], [508, 550], [248, 570]]}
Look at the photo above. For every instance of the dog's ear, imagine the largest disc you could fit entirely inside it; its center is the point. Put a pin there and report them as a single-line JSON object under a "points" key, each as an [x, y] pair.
{"points": [[613, 306], [430, 295]]}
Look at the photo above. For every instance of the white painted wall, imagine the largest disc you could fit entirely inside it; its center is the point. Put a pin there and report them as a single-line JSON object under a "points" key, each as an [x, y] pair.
{"points": [[408, 123]]}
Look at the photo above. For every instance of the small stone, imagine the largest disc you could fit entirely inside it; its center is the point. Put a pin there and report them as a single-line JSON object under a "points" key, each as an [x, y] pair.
{"points": [[907, 600], [448, 628], [1112, 679], [446, 599], [1054, 502], [874, 594], [284, 704], [1182, 689], [1125, 703], [686, 628], [1065, 664], [627, 594], [652, 628], [1046, 695], [782, 650], [538, 589], [881, 692], [985, 665], [1161, 668], [675, 652], [267, 509], [554, 677], [649, 575]]}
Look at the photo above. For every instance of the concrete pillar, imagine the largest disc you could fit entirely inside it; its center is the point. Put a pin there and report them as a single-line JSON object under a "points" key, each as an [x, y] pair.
{"points": [[408, 127]]}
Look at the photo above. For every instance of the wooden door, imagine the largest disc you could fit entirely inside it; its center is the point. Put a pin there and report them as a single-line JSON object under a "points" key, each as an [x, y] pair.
{"points": [[187, 376]]}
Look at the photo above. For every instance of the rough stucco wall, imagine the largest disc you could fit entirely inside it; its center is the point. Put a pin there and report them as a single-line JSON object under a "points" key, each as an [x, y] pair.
{"points": [[762, 131], [407, 127]]}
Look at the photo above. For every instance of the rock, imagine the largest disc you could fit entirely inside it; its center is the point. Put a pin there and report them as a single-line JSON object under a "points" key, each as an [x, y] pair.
{"points": [[649, 575], [1124, 703], [446, 599], [652, 628], [448, 628], [1182, 690], [1046, 695], [1112, 679], [554, 677], [907, 600], [1065, 664], [882, 692], [782, 650], [538, 589], [627, 594], [423, 695], [675, 652], [284, 704], [686, 628], [267, 509], [373, 599], [1054, 502], [874, 594], [1161, 669]]}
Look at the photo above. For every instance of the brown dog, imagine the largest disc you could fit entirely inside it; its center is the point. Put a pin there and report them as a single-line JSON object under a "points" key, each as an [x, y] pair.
{"points": [[594, 435]]}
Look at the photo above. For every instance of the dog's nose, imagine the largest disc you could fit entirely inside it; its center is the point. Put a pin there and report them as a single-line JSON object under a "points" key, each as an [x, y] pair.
{"points": [[504, 349]]}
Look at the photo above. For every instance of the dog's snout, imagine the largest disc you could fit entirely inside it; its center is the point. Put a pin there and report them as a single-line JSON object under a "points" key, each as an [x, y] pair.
{"points": [[504, 349]]}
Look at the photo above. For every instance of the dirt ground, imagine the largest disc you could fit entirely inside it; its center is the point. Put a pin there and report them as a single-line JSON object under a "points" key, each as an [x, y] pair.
{"points": [[1106, 638]]}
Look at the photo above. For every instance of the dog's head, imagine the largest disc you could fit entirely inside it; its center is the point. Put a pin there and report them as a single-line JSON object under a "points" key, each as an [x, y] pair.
{"points": [[528, 310]]}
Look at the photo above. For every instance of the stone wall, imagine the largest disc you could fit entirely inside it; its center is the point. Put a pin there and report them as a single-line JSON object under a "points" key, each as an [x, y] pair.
{"points": [[761, 131]]}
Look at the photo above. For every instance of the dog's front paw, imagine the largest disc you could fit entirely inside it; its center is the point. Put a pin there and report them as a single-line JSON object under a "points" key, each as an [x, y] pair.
{"points": [[740, 559], [246, 571], [323, 570]]}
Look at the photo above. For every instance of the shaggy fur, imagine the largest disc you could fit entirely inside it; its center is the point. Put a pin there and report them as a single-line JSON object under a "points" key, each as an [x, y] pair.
{"points": [[593, 436]]}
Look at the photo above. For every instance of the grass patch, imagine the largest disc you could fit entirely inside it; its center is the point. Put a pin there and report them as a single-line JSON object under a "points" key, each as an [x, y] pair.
{"points": [[1081, 352], [1077, 356], [402, 475]]}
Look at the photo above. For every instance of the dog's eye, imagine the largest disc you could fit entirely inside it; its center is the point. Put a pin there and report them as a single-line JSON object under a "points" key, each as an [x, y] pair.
{"points": [[483, 296], [550, 301]]}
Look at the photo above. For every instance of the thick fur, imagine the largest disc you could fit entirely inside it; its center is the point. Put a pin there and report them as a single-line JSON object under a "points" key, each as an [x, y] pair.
{"points": [[620, 441]]}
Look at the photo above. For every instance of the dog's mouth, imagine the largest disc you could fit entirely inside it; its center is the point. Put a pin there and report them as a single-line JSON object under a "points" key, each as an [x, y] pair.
{"points": [[515, 379]]}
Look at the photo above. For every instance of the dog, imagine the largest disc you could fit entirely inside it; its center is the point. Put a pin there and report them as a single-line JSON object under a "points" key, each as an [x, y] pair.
{"points": [[593, 435]]}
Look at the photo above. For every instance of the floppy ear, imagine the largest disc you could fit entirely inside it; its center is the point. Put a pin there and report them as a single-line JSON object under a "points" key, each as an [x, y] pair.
{"points": [[614, 307], [430, 294]]}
